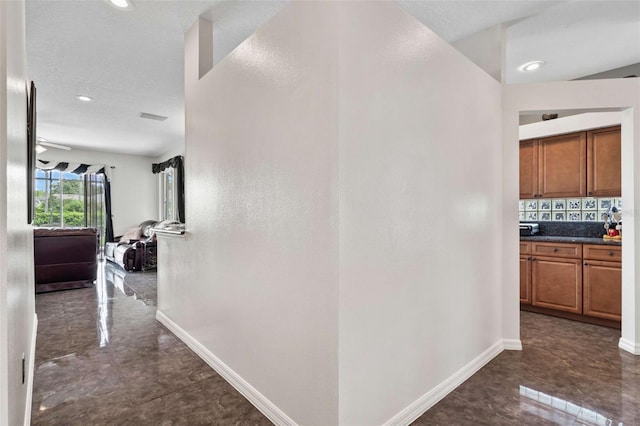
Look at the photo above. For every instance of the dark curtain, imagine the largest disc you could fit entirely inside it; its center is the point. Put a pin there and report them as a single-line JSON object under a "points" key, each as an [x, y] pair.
{"points": [[108, 222], [108, 225], [177, 163]]}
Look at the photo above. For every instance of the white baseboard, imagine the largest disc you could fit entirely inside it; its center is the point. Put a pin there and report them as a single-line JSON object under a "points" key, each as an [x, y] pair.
{"points": [[31, 371], [633, 348], [429, 399], [512, 344], [269, 409]]}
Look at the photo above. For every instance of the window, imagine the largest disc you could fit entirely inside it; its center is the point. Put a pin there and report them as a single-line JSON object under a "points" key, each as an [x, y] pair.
{"points": [[168, 194], [67, 200]]}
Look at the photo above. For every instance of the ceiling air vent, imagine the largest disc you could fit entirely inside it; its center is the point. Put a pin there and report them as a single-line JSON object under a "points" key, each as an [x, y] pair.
{"points": [[152, 116]]}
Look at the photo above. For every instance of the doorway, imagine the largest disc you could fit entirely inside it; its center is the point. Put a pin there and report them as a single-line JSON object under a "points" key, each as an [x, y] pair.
{"points": [[570, 185], [589, 96]]}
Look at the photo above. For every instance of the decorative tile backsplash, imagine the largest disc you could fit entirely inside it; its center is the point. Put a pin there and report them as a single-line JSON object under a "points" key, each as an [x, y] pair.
{"points": [[567, 209]]}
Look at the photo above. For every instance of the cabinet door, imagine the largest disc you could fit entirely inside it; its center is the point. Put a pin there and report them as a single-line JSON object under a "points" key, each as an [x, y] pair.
{"points": [[528, 169], [602, 289], [562, 169], [525, 280], [603, 162], [556, 283]]}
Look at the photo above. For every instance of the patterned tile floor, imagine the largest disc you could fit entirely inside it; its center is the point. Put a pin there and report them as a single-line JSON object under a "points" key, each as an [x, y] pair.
{"points": [[101, 358]]}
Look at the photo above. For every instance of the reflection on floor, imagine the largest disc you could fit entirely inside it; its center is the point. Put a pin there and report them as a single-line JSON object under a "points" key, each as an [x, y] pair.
{"points": [[102, 358], [568, 373]]}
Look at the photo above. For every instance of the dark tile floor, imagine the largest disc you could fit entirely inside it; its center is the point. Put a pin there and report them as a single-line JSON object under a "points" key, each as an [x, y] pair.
{"points": [[101, 358], [568, 373]]}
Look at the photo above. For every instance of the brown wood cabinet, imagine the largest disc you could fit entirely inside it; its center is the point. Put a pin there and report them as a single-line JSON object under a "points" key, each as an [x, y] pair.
{"points": [[572, 165], [580, 282], [603, 162], [529, 169], [602, 252], [557, 249], [525, 273], [556, 278], [562, 166], [602, 282]]}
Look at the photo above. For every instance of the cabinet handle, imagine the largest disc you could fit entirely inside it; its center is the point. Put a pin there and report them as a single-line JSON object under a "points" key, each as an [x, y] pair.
{"points": [[586, 264], [610, 253], [591, 193], [533, 258], [555, 249]]}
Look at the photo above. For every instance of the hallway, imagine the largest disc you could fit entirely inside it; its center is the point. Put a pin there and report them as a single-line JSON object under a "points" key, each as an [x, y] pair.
{"points": [[102, 358]]}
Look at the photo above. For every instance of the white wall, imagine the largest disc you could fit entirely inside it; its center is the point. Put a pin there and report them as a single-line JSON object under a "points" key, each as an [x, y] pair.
{"points": [[134, 188], [17, 311], [621, 94], [259, 285], [420, 182], [177, 150], [343, 253]]}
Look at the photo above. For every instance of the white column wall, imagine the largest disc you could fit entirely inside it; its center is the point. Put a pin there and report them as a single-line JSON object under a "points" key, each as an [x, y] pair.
{"points": [[420, 193], [259, 287], [134, 187], [621, 94], [17, 302]]}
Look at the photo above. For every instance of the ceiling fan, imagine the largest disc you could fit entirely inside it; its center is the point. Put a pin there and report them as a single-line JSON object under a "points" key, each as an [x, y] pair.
{"points": [[42, 144]]}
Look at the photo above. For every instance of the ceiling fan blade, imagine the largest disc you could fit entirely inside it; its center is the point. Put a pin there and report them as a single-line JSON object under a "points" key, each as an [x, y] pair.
{"points": [[54, 145]]}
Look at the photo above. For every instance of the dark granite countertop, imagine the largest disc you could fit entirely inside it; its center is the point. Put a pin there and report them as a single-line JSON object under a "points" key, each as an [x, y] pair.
{"points": [[571, 232], [573, 240]]}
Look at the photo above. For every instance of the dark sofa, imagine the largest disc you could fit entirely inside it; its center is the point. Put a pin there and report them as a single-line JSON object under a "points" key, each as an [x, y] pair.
{"points": [[64, 258]]}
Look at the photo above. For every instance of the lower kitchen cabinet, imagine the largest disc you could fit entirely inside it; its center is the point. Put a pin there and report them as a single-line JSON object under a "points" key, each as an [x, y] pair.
{"points": [[581, 282], [525, 273], [556, 283], [525, 280], [602, 282]]}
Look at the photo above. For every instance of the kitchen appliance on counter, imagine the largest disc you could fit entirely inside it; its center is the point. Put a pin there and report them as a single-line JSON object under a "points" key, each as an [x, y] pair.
{"points": [[528, 229]]}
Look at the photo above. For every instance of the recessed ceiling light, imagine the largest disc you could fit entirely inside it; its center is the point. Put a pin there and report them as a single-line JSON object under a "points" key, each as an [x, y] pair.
{"points": [[531, 66], [121, 4], [84, 98]]}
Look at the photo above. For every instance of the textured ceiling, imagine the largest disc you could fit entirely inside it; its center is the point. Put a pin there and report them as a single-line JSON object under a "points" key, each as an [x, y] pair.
{"points": [[132, 61]]}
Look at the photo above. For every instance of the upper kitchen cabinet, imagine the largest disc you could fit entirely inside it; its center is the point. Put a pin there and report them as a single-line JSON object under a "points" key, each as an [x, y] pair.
{"points": [[577, 164], [529, 169], [562, 166], [603, 162]]}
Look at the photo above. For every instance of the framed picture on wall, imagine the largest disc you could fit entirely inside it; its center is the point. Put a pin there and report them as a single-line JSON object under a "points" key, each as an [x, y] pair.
{"points": [[31, 149]]}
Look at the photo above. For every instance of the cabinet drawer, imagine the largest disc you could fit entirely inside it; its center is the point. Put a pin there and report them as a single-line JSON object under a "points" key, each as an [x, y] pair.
{"points": [[601, 252], [525, 247], [557, 250]]}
